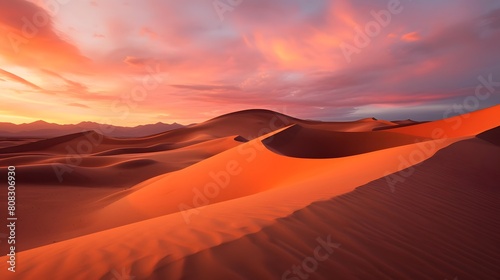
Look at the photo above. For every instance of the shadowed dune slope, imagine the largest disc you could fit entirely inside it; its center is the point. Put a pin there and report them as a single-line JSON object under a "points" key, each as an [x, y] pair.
{"points": [[310, 141], [9, 142], [306, 142], [492, 135], [367, 124], [405, 122], [56, 144]]}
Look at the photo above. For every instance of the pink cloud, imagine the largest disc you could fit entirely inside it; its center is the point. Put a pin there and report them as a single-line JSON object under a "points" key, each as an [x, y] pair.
{"points": [[18, 79], [29, 38], [78, 105], [411, 37], [146, 31]]}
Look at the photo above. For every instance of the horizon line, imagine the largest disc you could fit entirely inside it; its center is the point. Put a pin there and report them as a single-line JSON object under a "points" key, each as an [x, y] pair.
{"points": [[239, 111]]}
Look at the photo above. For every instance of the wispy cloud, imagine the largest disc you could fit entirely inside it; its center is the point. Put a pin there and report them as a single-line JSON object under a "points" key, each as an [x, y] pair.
{"points": [[18, 79], [78, 105]]}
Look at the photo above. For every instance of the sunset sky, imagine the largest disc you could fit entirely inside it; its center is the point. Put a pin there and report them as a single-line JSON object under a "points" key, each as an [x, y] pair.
{"points": [[130, 62]]}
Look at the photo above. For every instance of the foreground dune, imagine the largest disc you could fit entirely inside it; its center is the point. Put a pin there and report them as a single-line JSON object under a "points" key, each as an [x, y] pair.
{"points": [[441, 223], [255, 204]]}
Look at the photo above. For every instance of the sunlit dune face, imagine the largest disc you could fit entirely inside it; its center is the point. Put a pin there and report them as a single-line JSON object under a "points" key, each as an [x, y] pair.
{"points": [[131, 62]]}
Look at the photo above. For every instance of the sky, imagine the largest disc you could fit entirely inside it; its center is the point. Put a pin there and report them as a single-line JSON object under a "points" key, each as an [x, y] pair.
{"points": [[127, 62]]}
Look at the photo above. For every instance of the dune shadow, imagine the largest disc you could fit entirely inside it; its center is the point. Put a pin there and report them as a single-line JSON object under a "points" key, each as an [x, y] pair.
{"points": [[307, 142]]}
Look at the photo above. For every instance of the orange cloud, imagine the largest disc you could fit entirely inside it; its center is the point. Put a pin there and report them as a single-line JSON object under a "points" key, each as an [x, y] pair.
{"points": [[28, 38], [136, 61], [411, 37], [146, 31], [72, 86], [78, 105], [18, 79]]}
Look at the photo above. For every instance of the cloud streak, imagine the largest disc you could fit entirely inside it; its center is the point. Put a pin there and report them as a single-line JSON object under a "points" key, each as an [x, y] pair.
{"points": [[18, 79]]}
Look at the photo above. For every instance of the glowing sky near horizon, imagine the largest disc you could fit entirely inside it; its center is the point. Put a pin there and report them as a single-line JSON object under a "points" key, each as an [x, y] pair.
{"points": [[130, 62]]}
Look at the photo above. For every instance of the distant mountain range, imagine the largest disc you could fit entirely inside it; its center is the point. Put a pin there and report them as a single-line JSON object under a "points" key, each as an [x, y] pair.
{"points": [[42, 129]]}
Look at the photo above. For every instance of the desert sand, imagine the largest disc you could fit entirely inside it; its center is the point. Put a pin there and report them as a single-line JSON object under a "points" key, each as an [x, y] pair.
{"points": [[253, 194]]}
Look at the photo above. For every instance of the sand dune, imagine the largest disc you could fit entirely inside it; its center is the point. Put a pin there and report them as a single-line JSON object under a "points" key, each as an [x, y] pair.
{"points": [[305, 142], [405, 122], [84, 152], [9, 142], [48, 145], [469, 124], [492, 135], [247, 195], [108, 171], [367, 124], [246, 124], [424, 230], [41, 129]]}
